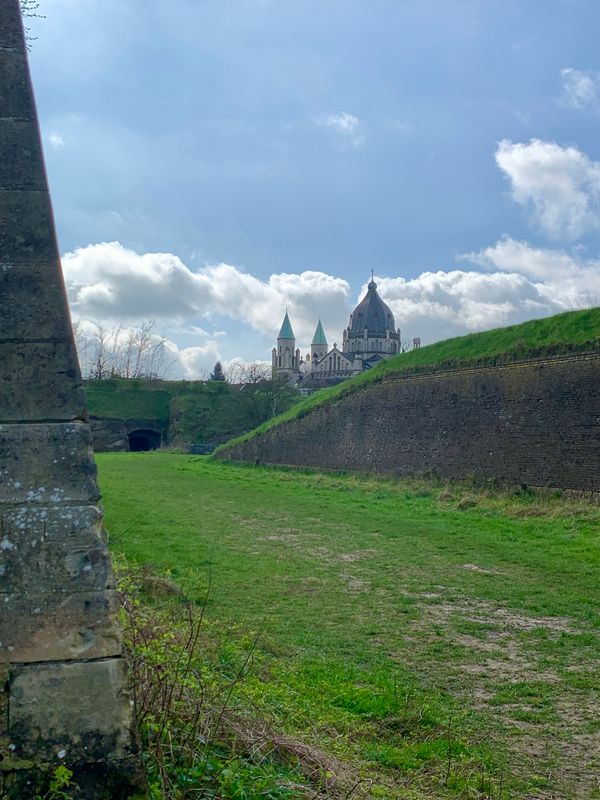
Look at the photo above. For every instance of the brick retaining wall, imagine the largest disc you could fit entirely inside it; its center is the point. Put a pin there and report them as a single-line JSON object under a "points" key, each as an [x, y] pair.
{"points": [[534, 422]]}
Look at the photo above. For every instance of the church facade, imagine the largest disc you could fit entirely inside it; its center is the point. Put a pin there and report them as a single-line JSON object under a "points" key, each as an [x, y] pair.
{"points": [[370, 337]]}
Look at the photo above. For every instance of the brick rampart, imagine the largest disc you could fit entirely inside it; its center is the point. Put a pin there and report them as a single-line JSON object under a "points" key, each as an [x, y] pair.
{"points": [[535, 423]]}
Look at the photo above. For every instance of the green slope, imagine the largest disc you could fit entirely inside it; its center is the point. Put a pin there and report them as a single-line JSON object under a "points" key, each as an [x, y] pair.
{"points": [[193, 411], [564, 333], [120, 398]]}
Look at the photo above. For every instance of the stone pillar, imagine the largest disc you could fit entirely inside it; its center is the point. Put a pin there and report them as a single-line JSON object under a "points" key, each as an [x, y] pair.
{"points": [[63, 682]]}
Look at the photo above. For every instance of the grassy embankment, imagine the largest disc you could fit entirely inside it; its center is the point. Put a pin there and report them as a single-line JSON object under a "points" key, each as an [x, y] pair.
{"points": [[119, 398], [563, 333], [431, 640], [191, 411]]}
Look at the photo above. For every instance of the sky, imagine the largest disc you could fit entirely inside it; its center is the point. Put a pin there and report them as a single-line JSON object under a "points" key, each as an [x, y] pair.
{"points": [[213, 162]]}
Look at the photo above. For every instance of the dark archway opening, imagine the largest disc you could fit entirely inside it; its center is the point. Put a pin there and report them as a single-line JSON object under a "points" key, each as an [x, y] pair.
{"points": [[143, 440]]}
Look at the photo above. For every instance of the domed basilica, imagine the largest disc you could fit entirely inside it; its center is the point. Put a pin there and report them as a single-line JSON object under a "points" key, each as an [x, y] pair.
{"points": [[371, 336]]}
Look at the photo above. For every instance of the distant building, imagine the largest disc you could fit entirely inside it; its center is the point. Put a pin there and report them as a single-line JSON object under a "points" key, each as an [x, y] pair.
{"points": [[286, 357], [370, 337]]}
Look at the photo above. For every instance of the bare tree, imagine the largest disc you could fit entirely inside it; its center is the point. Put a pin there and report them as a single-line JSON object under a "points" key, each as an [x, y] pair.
{"points": [[99, 366], [265, 394], [123, 353], [29, 9], [242, 372]]}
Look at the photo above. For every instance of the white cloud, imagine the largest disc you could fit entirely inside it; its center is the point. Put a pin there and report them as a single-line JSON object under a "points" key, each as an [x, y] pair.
{"points": [[563, 280], [509, 255], [110, 282], [560, 185], [346, 125], [521, 282], [55, 139], [580, 89], [509, 282], [195, 362], [438, 305]]}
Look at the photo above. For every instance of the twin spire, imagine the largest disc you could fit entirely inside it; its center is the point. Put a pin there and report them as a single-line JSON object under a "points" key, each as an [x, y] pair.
{"points": [[287, 332]]}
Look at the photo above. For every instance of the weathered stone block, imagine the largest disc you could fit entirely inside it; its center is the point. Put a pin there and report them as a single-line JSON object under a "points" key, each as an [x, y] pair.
{"points": [[58, 627], [36, 321], [47, 463], [109, 435], [28, 243], [71, 712], [11, 35], [21, 165], [56, 612], [15, 98], [51, 365], [53, 549]]}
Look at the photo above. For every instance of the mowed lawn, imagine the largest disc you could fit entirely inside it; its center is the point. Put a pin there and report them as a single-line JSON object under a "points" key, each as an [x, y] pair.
{"points": [[440, 640]]}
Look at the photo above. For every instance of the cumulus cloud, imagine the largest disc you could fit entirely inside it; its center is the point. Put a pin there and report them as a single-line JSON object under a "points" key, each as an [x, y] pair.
{"points": [[110, 282], [560, 185], [521, 282], [580, 89], [506, 283], [509, 255], [346, 125], [564, 281], [195, 362], [438, 305]]}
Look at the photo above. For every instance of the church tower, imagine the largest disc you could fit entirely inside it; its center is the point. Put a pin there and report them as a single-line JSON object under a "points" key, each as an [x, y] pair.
{"points": [[286, 358], [371, 334], [318, 348]]}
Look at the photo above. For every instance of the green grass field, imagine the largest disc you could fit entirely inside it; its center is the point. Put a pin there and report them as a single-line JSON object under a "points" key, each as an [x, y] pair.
{"points": [[562, 333], [436, 640]]}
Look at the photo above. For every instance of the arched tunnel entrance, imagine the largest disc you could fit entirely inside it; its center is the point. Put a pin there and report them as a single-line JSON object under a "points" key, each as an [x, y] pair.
{"points": [[143, 440]]}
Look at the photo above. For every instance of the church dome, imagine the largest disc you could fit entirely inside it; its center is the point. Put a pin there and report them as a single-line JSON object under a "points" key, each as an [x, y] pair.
{"points": [[373, 314]]}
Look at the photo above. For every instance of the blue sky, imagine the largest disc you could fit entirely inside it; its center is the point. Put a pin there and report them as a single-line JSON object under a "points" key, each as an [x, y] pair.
{"points": [[252, 154]]}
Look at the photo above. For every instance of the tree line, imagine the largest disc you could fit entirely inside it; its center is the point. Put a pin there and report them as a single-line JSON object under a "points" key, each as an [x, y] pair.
{"points": [[122, 352]]}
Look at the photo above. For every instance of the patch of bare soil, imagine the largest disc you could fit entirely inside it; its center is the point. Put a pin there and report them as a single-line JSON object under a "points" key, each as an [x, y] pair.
{"points": [[288, 538], [487, 613], [320, 553], [483, 570], [354, 585], [565, 750], [359, 555], [296, 585]]}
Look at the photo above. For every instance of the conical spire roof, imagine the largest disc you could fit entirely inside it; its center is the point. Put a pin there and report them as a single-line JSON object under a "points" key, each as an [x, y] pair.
{"points": [[286, 331], [319, 337]]}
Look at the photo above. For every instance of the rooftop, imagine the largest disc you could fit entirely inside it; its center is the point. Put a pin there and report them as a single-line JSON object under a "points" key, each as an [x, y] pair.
{"points": [[319, 337], [286, 331]]}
